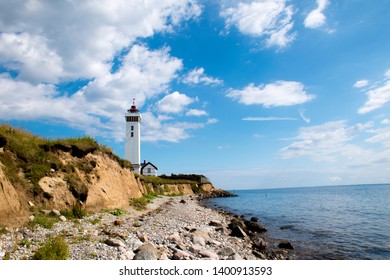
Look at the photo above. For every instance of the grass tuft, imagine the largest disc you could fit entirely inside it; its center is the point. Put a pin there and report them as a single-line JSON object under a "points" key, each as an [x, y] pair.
{"points": [[54, 249]]}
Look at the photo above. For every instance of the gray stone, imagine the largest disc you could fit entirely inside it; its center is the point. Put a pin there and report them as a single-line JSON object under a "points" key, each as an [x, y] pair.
{"points": [[175, 237], [31, 218], [145, 255], [62, 218], [134, 243], [235, 257], [215, 224], [226, 252]]}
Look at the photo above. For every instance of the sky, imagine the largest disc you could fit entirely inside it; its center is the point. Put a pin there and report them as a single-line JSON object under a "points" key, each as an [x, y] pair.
{"points": [[250, 93]]}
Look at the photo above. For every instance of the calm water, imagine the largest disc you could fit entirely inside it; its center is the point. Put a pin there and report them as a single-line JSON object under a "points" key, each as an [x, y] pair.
{"points": [[338, 222]]}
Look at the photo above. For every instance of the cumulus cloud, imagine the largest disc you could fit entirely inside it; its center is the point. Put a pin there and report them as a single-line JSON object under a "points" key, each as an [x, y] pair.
{"points": [[361, 83], [79, 39], [174, 103], [327, 142], [316, 18], [279, 93], [45, 44], [271, 19], [197, 76]]}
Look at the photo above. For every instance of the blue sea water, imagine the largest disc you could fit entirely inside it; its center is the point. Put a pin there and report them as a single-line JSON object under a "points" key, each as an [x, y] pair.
{"points": [[335, 222]]}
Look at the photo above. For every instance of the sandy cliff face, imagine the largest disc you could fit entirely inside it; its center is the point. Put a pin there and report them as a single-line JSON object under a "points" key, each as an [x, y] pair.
{"points": [[12, 202]]}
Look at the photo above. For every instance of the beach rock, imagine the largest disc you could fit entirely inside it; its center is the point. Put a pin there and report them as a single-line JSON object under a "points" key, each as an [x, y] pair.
{"points": [[236, 222], [235, 257], [31, 204], [114, 242], [118, 222], [180, 255], [196, 248], [62, 218], [202, 232], [208, 254], [215, 224], [134, 244], [238, 232], [31, 218], [255, 227], [199, 240], [254, 219], [128, 255], [143, 237], [183, 201], [145, 255], [259, 244], [226, 252], [285, 245], [175, 237]]}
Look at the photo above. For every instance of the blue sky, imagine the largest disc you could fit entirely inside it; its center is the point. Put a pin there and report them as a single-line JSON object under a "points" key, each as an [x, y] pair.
{"points": [[251, 93]]}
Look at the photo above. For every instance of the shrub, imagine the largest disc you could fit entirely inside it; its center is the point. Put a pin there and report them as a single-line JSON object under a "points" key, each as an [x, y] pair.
{"points": [[54, 249], [76, 212], [46, 221]]}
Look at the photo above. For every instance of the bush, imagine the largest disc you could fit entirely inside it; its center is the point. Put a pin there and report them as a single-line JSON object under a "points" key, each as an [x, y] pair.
{"points": [[140, 203], [77, 212], [46, 221], [54, 249]]}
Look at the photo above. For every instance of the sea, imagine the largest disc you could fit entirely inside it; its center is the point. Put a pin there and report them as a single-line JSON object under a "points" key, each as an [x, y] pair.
{"points": [[326, 223]]}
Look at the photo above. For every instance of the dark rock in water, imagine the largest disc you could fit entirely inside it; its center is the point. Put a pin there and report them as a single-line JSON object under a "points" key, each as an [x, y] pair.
{"points": [[259, 244], [236, 222], [255, 227], [254, 219], [287, 227], [238, 232], [285, 245]]}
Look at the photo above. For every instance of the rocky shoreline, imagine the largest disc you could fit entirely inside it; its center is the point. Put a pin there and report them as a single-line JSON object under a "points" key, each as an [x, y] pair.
{"points": [[177, 228]]}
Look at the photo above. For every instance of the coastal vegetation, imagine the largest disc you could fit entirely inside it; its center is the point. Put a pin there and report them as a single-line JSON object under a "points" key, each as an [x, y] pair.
{"points": [[54, 249]]}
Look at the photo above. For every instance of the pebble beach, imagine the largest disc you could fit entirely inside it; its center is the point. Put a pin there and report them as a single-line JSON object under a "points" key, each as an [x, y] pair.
{"points": [[176, 228]]}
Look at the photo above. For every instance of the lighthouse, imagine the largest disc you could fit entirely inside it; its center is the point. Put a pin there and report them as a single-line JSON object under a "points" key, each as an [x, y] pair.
{"points": [[133, 137]]}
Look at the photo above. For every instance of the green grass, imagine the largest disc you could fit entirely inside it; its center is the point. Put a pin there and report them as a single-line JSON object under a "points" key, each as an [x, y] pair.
{"points": [[54, 249], [76, 212], [3, 230], [46, 221], [141, 203]]}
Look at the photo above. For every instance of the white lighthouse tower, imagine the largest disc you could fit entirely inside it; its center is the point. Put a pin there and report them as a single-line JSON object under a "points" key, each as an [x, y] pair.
{"points": [[133, 137]]}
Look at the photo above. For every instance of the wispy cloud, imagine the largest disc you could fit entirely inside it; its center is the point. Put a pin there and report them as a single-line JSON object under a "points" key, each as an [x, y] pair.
{"points": [[270, 19], [378, 96], [264, 119], [279, 93], [305, 118]]}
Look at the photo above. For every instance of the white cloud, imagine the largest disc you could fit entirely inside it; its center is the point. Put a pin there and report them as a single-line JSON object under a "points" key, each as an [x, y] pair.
{"points": [[271, 19], [316, 18], [328, 142], [279, 93], [196, 113], [99, 106], [385, 121], [377, 98], [335, 179], [261, 119], [158, 128], [72, 40], [197, 76], [387, 74], [361, 83], [175, 103]]}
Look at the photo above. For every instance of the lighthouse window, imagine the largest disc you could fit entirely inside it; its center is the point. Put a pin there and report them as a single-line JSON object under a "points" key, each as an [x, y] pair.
{"points": [[132, 127], [132, 134]]}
